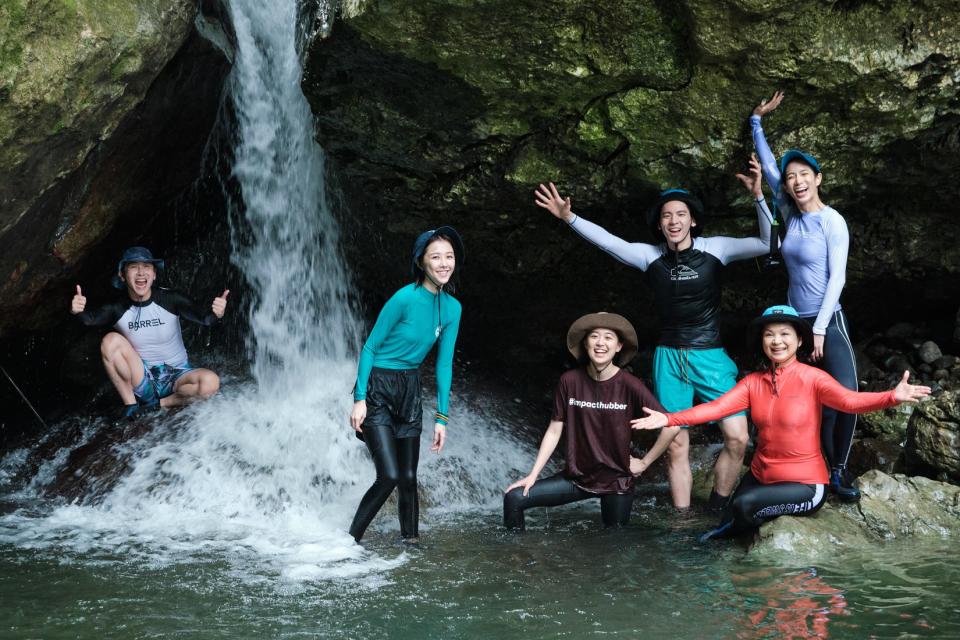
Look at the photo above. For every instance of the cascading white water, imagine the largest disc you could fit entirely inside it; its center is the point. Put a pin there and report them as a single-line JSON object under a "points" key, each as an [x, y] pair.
{"points": [[268, 472]]}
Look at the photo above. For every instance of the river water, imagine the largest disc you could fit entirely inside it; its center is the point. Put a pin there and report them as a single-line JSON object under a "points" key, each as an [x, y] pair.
{"points": [[230, 518]]}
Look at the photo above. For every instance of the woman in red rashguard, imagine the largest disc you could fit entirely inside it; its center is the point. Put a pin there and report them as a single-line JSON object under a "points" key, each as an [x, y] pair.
{"points": [[788, 474]]}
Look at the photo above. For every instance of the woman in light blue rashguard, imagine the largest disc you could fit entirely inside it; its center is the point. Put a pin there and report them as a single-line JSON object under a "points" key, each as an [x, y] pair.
{"points": [[815, 251], [387, 411]]}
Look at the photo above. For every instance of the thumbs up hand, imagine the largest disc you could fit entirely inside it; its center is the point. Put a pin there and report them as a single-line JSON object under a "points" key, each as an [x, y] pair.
{"points": [[79, 302], [219, 305]]}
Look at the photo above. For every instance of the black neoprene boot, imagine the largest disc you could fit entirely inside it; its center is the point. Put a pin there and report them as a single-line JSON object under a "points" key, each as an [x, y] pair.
{"points": [[842, 486]]}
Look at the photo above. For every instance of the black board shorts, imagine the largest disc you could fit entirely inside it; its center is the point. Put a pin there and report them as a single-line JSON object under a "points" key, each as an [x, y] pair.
{"points": [[394, 402]]}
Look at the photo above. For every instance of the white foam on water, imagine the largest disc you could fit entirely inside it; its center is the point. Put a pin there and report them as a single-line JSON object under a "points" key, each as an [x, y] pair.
{"points": [[267, 474]]}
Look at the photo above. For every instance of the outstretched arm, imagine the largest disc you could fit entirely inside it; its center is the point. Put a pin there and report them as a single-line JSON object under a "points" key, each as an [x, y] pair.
{"points": [[547, 446], [635, 254], [733, 401], [836, 396]]}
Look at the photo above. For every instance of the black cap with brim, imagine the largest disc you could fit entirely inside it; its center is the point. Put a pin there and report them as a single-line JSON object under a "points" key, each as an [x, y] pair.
{"points": [[780, 313], [696, 210], [420, 245]]}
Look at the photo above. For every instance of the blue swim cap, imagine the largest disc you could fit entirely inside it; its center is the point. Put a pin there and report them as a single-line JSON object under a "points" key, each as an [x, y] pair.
{"points": [[780, 313]]}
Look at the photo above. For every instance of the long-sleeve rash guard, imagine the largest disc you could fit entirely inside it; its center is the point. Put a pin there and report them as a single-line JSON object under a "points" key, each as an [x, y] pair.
{"points": [[685, 284], [787, 414], [152, 326], [815, 246], [410, 323]]}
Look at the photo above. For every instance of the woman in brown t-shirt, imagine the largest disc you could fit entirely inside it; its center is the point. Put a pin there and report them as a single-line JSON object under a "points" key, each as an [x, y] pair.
{"points": [[595, 403]]}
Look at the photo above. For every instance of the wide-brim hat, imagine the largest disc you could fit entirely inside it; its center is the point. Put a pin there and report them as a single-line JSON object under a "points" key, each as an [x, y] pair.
{"points": [[796, 154], [780, 313], [420, 245], [136, 254], [603, 320], [669, 195]]}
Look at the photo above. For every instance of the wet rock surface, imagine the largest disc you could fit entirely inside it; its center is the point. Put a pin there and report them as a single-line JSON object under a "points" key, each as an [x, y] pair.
{"points": [[892, 507]]}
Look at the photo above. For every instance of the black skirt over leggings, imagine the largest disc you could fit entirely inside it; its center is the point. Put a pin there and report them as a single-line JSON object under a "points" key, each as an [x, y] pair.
{"points": [[391, 432], [557, 490]]}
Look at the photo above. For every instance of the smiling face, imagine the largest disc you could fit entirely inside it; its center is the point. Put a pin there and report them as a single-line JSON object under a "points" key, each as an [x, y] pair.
{"points": [[438, 262], [802, 183], [780, 342], [602, 346], [676, 222], [139, 277]]}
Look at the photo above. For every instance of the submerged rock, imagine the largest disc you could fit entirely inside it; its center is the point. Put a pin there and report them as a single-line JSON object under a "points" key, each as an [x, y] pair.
{"points": [[892, 507]]}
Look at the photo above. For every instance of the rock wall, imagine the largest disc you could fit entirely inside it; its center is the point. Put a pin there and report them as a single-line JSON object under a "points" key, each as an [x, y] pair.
{"points": [[439, 111]]}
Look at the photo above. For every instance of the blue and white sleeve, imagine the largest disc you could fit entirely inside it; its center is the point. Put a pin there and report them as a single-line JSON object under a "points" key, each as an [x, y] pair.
{"points": [[838, 244], [768, 164], [635, 254], [728, 249]]}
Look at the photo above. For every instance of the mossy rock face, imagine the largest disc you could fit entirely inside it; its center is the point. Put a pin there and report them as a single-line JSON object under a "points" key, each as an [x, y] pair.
{"points": [[452, 112], [85, 157], [69, 71]]}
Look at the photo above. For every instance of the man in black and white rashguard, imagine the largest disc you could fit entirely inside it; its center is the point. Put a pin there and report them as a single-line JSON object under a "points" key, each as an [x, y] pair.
{"points": [[144, 355]]}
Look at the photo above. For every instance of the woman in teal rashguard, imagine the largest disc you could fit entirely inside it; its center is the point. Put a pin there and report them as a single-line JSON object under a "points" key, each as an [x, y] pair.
{"points": [[387, 411]]}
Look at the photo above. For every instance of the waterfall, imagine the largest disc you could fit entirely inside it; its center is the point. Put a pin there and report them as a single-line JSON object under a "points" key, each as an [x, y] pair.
{"points": [[267, 473]]}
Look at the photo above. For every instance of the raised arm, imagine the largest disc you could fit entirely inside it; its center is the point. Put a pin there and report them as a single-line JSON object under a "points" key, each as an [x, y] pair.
{"points": [[635, 254], [729, 249], [769, 164], [547, 446]]}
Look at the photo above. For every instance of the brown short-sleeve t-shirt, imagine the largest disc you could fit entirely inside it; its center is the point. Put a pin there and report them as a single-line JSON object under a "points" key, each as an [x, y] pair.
{"points": [[596, 422]]}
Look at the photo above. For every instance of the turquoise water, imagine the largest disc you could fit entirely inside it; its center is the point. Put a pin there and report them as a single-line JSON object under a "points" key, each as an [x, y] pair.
{"points": [[564, 578]]}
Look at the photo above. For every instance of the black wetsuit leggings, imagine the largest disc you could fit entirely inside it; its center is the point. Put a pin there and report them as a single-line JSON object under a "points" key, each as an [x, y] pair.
{"points": [[836, 428], [753, 502], [396, 461], [557, 490]]}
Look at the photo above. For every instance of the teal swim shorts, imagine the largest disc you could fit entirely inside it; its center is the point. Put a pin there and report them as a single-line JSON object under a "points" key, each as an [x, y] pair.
{"points": [[680, 375]]}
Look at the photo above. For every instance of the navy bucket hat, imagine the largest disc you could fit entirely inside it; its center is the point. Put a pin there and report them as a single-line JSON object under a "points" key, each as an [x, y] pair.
{"points": [[796, 154], [420, 245], [780, 313], [669, 195], [136, 254]]}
